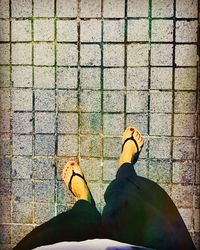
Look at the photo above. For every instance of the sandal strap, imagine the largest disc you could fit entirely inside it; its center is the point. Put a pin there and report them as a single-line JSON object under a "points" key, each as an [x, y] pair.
{"points": [[70, 181], [132, 139]]}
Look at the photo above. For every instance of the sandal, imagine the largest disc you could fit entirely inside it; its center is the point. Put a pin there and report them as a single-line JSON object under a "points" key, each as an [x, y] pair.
{"points": [[136, 155]]}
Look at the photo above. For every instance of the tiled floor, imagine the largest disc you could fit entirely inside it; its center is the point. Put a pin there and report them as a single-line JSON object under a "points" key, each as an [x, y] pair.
{"points": [[73, 75]]}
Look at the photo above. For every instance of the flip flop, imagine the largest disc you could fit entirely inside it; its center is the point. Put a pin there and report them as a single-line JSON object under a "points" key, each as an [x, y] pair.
{"points": [[136, 156]]}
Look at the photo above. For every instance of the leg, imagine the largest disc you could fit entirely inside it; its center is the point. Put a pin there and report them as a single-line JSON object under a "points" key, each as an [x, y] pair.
{"points": [[80, 223], [140, 212]]}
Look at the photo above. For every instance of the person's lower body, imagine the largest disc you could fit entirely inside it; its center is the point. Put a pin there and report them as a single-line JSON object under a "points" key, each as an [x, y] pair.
{"points": [[82, 222], [138, 211]]}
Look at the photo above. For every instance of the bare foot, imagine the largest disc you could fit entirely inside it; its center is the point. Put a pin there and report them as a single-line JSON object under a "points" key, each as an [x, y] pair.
{"points": [[78, 185], [130, 148]]}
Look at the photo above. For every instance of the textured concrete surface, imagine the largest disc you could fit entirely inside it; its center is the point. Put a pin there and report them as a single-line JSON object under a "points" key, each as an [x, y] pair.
{"points": [[73, 75]]}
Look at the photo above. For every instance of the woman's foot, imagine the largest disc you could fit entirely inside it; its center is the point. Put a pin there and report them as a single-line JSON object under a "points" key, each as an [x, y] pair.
{"points": [[72, 177], [130, 148]]}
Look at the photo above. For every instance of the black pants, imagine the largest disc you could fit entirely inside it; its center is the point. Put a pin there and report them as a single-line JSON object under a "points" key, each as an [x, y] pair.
{"points": [[137, 211]]}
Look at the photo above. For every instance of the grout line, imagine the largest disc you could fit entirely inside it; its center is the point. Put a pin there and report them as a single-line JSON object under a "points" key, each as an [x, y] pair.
{"points": [[125, 63]]}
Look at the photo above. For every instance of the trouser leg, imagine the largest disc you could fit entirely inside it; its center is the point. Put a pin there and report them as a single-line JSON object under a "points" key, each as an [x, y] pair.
{"points": [[80, 223], [138, 211]]}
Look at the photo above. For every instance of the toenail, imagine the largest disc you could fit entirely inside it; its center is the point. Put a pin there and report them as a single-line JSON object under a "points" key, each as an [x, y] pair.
{"points": [[131, 129], [72, 163]]}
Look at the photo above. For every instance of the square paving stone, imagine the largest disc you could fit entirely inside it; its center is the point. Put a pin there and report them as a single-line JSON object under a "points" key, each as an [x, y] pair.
{"points": [[137, 54], [44, 191], [90, 78], [113, 101], [22, 190], [137, 78], [161, 78], [67, 78], [113, 55], [21, 8], [90, 55], [43, 168], [22, 144], [5, 76], [22, 168], [135, 9], [161, 54], [140, 103], [44, 145], [90, 30], [44, 100], [44, 8], [22, 122], [113, 30], [45, 122], [5, 29], [44, 54], [67, 30], [90, 123], [67, 145], [138, 30], [22, 53], [21, 30], [90, 101], [113, 78], [66, 8], [156, 105], [68, 123], [67, 100], [22, 76], [43, 29], [113, 8], [90, 8], [91, 145], [44, 77]]}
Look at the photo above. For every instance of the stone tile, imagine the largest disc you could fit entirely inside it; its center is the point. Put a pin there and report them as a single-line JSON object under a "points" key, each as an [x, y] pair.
{"points": [[44, 77], [162, 30], [162, 8], [22, 123], [44, 54], [160, 171], [22, 76], [112, 147], [5, 30], [5, 147], [64, 196], [113, 124], [90, 55], [113, 30], [45, 122], [67, 30], [90, 101], [183, 172], [21, 8], [92, 169], [182, 195], [113, 101], [67, 54], [22, 168], [44, 8], [22, 213], [5, 166], [159, 148], [67, 145], [90, 30], [5, 53], [135, 9], [187, 215], [19, 231], [90, 123], [66, 8], [184, 125], [160, 124], [21, 30], [109, 169], [90, 145], [5, 121], [185, 102], [68, 123], [138, 30], [186, 31], [22, 190], [22, 144], [43, 168], [186, 78], [137, 78], [113, 78], [141, 168], [5, 190], [184, 149], [186, 55], [113, 55], [67, 100], [5, 76], [96, 191], [5, 212], [44, 100], [113, 8], [137, 54], [161, 78], [44, 191], [67, 78], [155, 101], [161, 54], [140, 121], [22, 53], [44, 145], [186, 8], [43, 29], [90, 8], [140, 103], [5, 99], [43, 212], [90, 78], [5, 234], [4, 8], [22, 100]]}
